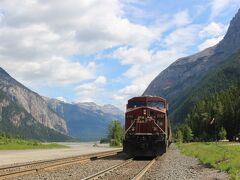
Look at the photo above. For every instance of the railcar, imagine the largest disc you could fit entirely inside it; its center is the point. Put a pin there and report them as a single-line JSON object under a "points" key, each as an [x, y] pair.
{"points": [[147, 127]]}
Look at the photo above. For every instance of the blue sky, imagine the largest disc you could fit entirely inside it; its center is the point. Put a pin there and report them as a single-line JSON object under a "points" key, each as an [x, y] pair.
{"points": [[104, 51]]}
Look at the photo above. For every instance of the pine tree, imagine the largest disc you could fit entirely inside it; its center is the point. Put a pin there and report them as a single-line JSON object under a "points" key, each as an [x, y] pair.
{"points": [[224, 108], [222, 133], [115, 133], [178, 136]]}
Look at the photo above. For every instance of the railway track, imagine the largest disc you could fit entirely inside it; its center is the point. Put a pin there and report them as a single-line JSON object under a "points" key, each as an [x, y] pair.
{"points": [[33, 167], [108, 173]]}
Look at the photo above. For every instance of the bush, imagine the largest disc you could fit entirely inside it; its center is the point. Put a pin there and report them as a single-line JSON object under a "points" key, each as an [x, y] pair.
{"points": [[222, 133]]}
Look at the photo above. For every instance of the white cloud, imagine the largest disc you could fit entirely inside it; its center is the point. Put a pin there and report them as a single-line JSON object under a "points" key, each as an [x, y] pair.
{"points": [[143, 73], [37, 37], [213, 30], [150, 63], [33, 33], [181, 38], [181, 19], [223, 7], [89, 92], [209, 42], [54, 70], [132, 55], [125, 93], [60, 98], [133, 71], [218, 6]]}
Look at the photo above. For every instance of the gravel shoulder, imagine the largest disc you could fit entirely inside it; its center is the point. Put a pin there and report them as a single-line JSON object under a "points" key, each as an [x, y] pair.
{"points": [[174, 166]]}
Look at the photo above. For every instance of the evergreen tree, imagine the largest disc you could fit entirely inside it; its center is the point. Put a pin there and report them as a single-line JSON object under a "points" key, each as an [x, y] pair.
{"points": [[187, 133], [115, 133], [183, 134], [214, 114], [178, 136], [222, 133]]}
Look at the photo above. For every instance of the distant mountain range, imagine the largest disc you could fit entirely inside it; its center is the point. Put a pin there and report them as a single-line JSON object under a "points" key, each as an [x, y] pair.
{"points": [[27, 114], [192, 77], [86, 121]]}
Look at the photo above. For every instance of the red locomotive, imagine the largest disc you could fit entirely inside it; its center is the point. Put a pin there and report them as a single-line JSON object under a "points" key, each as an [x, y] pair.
{"points": [[147, 127]]}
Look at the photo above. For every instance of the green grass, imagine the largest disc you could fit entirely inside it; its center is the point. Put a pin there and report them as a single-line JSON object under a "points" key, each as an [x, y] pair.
{"points": [[18, 144], [224, 156]]}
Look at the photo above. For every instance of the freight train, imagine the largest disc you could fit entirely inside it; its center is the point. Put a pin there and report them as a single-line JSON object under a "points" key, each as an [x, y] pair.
{"points": [[147, 127]]}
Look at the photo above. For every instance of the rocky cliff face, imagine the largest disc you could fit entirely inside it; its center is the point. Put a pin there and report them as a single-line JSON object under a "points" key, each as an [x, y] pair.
{"points": [[87, 121], [33, 103], [16, 121], [231, 42], [186, 72]]}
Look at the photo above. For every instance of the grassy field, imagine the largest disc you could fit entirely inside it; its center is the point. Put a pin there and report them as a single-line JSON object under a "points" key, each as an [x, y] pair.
{"points": [[224, 156], [17, 144]]}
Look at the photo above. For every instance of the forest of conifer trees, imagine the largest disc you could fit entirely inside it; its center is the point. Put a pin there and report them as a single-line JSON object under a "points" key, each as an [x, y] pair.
{"points": [[214, 117]]}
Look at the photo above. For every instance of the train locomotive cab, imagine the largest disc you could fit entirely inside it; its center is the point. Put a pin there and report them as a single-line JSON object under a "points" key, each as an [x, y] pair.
{"points": [[147, 128]]}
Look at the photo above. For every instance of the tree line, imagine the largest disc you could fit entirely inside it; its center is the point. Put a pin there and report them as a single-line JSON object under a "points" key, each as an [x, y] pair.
{"points": [[213, 118]]}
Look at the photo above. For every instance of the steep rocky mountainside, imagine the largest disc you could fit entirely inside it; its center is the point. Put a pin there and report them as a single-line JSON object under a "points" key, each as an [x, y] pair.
{"points": [[179, 79], [87, 121], [33, 103], [220, 79], [16, 121]]}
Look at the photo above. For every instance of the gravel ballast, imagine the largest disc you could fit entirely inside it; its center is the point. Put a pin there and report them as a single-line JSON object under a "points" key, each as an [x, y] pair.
{"points": [[75, 171], [174, 166], [126, 172]]}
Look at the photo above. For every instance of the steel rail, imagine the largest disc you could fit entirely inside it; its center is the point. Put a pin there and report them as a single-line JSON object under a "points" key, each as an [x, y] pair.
{"points": [[112, 168], [144, 170], [17, 170]]}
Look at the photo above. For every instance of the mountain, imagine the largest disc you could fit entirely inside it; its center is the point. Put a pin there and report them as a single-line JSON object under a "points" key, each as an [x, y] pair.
{"points": [[87, 121], [220, 79], [25, 113], [16, 121], [31, 102], [177, 82], [216, 96]]}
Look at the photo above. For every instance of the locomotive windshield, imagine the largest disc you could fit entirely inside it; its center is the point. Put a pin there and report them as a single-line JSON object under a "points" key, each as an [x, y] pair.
{"points": [[136, 104], [157, 104]]}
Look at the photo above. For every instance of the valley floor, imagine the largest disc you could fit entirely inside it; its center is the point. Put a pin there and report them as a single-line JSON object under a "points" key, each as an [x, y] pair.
{"points": [[9, 157]]}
